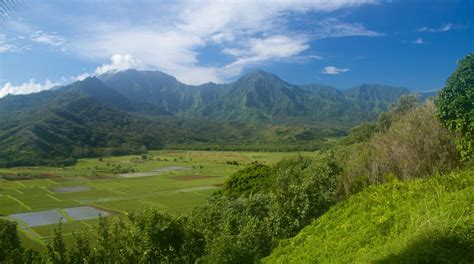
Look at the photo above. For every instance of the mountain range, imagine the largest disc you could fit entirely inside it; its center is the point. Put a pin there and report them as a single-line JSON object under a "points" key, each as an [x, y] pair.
{"points": [[132, 111], [256, 97]]}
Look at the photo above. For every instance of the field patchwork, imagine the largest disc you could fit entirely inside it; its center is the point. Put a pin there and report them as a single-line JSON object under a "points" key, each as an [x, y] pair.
{"points": [[170, 181]]}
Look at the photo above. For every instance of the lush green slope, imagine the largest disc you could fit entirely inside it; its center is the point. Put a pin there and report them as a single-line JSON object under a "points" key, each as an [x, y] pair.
{"points": [[422, 221], [255, 97], [72, 126], [135, 110], [88, 119]]}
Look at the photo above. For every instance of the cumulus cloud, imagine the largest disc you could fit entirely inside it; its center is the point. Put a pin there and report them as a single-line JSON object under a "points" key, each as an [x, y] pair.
{"points": [[26, 88], [444, 28], [119, 62], [333, 70], [251, 32], [266, 49], [246, 33]]}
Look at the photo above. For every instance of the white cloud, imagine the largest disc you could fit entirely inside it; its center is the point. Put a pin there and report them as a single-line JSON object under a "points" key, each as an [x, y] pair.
{"points": [[26, 88], [44, 38], [418, 41], [333, 70], [444, 28], [119, 62], [253, 32], [222, 37], [80, 77], [5, 46], [333, 28], [266, 49]]}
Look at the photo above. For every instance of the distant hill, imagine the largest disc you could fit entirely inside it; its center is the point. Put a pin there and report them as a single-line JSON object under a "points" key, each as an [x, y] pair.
{"points": [[376, 92], [62, 126], [255, 97]]}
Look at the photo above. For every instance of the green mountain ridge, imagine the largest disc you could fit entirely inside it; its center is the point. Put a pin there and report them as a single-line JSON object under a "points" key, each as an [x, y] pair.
{"points": [[131, 111], [255, 97]]}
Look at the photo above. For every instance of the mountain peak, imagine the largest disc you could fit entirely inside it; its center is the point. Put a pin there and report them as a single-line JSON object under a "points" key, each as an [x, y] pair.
{"points": [[259, 74]]}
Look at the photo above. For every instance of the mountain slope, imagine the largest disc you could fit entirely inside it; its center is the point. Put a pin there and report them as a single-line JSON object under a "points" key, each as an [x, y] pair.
{"points": [[259, 97], [422, 221], [71, 125], [376, 92], [255, 97]]}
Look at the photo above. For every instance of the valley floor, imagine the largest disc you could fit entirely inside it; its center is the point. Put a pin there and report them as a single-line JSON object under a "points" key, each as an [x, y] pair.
{"points": [[172, 181]]}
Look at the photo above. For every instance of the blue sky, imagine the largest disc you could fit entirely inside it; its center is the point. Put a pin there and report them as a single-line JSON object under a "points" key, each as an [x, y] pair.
{"points": [[344, 43]]}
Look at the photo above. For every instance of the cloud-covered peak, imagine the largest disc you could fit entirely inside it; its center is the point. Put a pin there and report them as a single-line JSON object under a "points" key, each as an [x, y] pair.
{"points": [[120, 62]]}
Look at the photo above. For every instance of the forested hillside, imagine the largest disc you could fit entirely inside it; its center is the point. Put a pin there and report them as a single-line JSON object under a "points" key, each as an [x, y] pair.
{"points": [[132, 111], [256, 97]]}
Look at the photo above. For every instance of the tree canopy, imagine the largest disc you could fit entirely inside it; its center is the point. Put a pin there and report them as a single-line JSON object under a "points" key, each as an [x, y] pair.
{"points": [[456, 105]]}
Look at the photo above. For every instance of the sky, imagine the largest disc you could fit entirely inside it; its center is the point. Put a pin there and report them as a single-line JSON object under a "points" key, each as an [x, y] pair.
{"points": [[344, 43]]}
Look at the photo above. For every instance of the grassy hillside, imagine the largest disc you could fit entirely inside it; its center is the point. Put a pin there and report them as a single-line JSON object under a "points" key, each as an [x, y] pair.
{"points": [[422, 221]]}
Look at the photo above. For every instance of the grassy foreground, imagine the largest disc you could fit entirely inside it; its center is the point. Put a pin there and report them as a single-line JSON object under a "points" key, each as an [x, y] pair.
{"points": [[421, 221]]}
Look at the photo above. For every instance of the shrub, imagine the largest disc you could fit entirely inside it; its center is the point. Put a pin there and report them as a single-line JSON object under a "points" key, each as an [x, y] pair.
{"points": [[305, 189], [251, 179], [9, 241], [415, 145]]}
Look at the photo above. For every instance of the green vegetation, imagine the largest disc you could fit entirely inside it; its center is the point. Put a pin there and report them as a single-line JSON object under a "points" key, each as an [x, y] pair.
{"points": [[258, 97], [98, 183], [456, 105], [407, 142], [393, 191], [420, 221], [102, 117]]}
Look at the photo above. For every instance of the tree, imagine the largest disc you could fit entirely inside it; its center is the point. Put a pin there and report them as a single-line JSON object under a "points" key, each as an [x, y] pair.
{"points": [[57, 252], [455, 105], [10, 244]]}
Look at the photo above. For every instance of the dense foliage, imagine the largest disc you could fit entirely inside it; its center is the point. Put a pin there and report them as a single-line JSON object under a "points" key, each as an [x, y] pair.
{"points": [[235, 225], [407, 142], [131, 111], [255, 178], [57, 127], [456, 105]]}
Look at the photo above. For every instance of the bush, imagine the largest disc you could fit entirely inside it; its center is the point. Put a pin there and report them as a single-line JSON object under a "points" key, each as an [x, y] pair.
{"points": [[415, 145], [251, 179], [305, 189], [242, 226]]}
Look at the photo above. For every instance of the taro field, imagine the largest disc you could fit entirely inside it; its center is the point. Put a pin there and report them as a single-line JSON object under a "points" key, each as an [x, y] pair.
{"points": [[37, 198]]}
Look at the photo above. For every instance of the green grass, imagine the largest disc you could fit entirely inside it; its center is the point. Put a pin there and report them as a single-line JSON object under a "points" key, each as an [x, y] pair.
{"points": [[120, 195], [422, 221]]}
